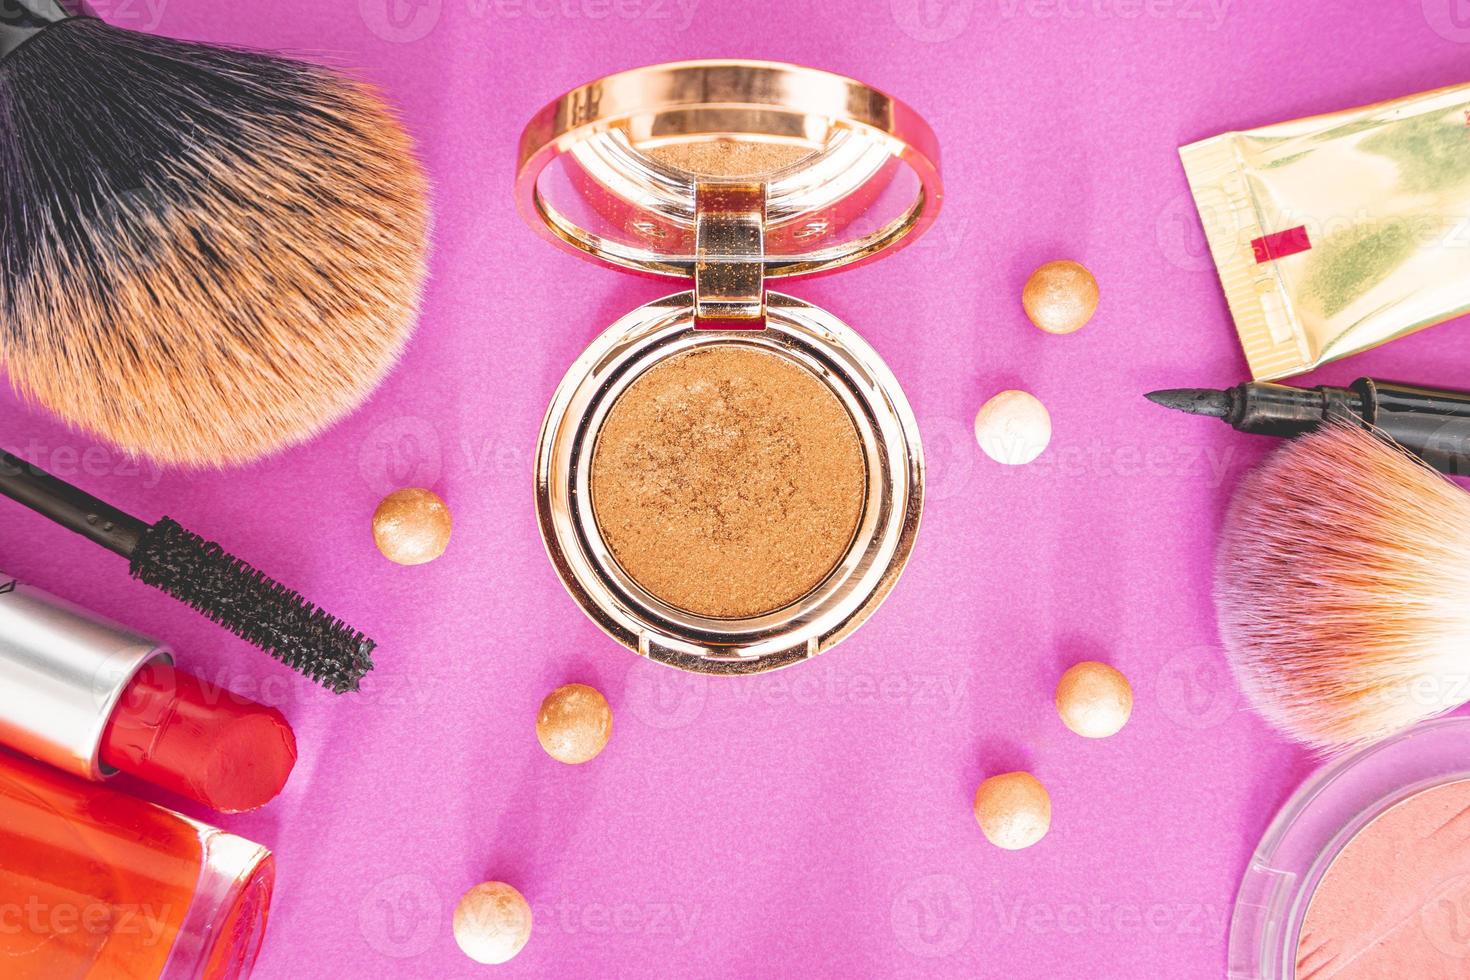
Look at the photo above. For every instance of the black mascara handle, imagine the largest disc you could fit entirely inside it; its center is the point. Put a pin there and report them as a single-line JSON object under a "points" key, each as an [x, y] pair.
{"points": [[73, 509], [21, 20]]}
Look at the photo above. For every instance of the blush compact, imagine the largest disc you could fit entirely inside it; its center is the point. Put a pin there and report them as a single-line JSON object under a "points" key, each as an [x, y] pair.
{"points": [[1364, 871], [729, 479]]}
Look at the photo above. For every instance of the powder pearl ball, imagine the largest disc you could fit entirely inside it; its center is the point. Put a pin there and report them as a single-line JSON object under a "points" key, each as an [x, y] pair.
{"points": [[1060, 296], [1013, 427], [492, 922], [412, 526], [1013, 809], [1094, 699], [574, 724]]}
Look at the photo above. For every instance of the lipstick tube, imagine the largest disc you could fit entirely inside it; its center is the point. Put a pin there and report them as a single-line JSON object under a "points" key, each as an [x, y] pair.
{"points": [[97, 884], [93, 698]]}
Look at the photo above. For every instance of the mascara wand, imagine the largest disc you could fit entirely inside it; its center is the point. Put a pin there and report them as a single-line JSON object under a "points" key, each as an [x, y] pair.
{"points": [[202, 575]]}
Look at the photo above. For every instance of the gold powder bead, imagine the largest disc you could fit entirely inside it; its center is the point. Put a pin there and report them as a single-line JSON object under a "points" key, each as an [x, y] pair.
{"points": [[1013, 427], [1060, 297], [1013, 809], [1094, 699], [574, 724], [492, 922], [411, 526]]}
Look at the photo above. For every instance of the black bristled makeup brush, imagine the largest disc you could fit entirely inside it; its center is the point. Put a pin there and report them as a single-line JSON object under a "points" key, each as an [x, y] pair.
{"points": [[206, 253], [202, 575]]}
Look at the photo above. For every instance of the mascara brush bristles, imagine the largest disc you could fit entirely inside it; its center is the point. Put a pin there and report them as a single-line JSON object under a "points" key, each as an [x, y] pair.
{"points": [[206, 254], [1343, 589], [278, 620]]}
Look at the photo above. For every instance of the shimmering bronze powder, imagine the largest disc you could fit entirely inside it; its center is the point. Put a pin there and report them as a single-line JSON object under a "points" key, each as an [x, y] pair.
{"points": [[728, 481], [729, 158]]}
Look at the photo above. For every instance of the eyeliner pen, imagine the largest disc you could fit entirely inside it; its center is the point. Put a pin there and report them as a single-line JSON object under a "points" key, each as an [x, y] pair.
{"points": [[1431, 423]]}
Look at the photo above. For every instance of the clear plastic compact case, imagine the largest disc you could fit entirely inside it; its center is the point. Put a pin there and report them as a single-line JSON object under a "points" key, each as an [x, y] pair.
{"points": [[1314, 826], [727, 174]]}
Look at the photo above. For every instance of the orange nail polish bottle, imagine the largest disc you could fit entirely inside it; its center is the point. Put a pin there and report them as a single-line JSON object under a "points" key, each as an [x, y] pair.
{"points": [[97, 884]]}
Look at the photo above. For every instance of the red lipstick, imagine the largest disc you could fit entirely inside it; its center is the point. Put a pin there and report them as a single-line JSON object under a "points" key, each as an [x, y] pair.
{"points": [[214, 747], [93, 698]]}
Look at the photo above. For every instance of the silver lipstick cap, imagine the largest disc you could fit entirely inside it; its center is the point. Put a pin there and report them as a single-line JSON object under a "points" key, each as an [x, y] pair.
{"points": [[63, 671]]}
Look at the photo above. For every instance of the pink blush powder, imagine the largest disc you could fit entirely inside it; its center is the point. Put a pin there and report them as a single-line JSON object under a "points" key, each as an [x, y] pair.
{"points": [[1395, 902]]}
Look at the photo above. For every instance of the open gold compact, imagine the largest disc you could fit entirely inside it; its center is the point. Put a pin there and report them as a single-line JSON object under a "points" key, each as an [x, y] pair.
{"points": [[729, 479]]}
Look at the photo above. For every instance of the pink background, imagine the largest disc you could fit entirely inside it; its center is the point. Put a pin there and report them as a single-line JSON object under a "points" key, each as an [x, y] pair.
{"points": [[814, 822]]}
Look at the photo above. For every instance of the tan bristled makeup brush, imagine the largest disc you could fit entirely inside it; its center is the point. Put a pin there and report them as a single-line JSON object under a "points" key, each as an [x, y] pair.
{"points": [[207, 253], [1343, 588]]}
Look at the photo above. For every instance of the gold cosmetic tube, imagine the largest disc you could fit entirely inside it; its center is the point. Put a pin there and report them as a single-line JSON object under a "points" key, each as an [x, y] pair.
{"points": [[1337, 233]]}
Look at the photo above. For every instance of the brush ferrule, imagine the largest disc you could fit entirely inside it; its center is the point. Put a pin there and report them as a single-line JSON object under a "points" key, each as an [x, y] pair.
{"points": [[21, 20]]}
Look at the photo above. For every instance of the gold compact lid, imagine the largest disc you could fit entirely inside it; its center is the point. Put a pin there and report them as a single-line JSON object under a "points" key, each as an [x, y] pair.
{"points": [[786, 168]]}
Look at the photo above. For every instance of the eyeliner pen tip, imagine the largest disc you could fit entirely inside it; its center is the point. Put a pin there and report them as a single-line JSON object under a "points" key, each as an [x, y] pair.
{"points": [[1195, 401]]}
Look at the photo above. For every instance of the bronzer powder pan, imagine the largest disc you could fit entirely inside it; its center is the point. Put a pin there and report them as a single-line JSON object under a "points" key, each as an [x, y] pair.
{"points": [[729, 479], [1365, 873]]}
